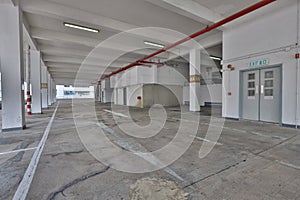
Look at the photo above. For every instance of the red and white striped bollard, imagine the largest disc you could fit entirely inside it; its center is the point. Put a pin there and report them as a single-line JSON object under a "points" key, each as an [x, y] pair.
{"points": [[28, 103]]}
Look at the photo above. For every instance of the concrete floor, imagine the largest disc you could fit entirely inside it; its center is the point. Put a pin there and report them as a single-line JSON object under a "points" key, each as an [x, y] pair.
{"points": [[252, 160]]}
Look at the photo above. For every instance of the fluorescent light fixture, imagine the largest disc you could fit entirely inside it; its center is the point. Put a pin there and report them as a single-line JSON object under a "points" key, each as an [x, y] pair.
{"points": [[215, 58], [81, 27], [154, 44]]}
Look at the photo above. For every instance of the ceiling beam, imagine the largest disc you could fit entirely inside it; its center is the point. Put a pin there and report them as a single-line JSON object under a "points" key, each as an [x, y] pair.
{"points": [[119, 45], [78, 61], [44, 34], [189, 8], [67, 52], [66, 65], [58, 11], [27, 36], [62, 12]]}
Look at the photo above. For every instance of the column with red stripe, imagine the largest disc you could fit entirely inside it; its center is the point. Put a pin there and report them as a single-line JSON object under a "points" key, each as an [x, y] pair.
{"points": [[27, 67], [28, 102]]}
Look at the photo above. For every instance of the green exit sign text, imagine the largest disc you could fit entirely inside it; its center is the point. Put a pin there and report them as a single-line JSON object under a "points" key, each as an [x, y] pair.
{"points": [[259, 62]]}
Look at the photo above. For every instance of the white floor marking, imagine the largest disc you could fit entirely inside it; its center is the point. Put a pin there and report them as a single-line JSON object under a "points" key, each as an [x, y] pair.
{"points": [[136, 149], [289, 164], [17, 151], [106, 128], [205, 140], [24, 186], [115, 113], [263, 135], [155, 161], [234, 129]]}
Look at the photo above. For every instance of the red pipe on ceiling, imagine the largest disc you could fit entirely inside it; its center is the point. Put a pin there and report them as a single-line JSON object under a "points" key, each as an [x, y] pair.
{"points": [[205, 30]]}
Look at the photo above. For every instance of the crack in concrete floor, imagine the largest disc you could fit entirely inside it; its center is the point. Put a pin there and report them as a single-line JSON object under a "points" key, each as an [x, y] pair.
{"points": [[74, 182]]}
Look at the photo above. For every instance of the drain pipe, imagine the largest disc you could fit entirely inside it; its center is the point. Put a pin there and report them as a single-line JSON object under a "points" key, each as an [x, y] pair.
{"points": [[298, 65], [201, 32]]}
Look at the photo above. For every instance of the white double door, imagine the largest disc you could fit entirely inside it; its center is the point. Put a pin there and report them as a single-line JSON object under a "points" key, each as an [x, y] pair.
{"points": [[261, 95]]}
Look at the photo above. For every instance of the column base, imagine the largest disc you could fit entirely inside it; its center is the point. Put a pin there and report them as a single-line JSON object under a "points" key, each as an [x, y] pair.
{"points": [[14, 129], [38, 113]]}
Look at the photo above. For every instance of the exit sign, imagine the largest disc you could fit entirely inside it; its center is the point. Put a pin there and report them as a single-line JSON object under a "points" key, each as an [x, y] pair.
{"points": [[259, 62]]}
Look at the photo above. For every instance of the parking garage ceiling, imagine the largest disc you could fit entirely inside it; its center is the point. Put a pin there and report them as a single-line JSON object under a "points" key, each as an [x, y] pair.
{"points": [[64, 49]]}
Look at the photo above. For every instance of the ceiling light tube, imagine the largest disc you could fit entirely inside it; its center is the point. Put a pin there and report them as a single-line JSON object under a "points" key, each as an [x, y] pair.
{"points": [[81, 27], [154, 44], [215, 58]]}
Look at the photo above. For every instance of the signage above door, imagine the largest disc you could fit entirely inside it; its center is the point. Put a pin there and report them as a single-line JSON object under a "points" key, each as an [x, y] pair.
{"points": [[260, 62]]}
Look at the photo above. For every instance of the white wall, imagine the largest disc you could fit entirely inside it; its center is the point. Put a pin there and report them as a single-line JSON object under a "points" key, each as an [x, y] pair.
{"points": [[126, 78], [120, 99], [256, 40], [107, 91], [132, 93], [170, 76], [186, 95], [134, 78], [0, 88], [107, 95], [45, 87], [208, 93], [143, 75], [273, 30]]}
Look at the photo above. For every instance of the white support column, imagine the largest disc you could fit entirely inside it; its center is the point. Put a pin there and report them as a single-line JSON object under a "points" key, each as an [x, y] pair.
{"points": [[96, 90], [27, 84], [35, 63], [12, 67], [49, 90], [53, 91], [195, 80], [154, 73], [44, 87]]}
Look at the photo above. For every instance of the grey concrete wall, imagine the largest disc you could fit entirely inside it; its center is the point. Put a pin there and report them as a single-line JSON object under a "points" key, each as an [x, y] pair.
{"points": [[163, 95]]}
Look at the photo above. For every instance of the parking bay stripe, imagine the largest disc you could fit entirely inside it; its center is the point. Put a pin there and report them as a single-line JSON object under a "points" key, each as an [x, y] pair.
{"points": [[17, 151], [151, 159], [24, 186]]}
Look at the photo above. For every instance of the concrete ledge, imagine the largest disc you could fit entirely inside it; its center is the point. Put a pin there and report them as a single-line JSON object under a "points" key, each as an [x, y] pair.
{"points": [[231, 118], [38, 113], [290, 126], [212, 104], [14, 129]]}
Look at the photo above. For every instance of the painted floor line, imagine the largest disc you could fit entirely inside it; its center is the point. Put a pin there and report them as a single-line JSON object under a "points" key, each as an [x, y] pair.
{"points": [[106, 128], [24, 186], [206, 140], [17, 151], [289, 164], [235, 129], [115, 113], [263, 135], [146, 156]]}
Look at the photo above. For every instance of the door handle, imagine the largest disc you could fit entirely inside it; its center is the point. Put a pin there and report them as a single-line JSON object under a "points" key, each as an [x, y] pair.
{"points": [[257, 89], [262, 89]]}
